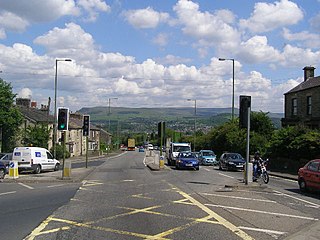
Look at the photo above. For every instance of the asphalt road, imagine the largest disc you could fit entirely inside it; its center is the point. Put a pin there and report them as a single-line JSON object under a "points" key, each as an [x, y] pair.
{"points": [[123, 199]]}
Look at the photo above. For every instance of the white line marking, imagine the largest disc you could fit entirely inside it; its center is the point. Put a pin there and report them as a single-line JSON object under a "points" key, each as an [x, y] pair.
{"points": [[262, 230], [207, 169], [128, 180], [6, 193], [225, 175], [284, 179], [242, 198], [296, 198], [263, 212], [58, 185], [144, 162], [25, 185]]}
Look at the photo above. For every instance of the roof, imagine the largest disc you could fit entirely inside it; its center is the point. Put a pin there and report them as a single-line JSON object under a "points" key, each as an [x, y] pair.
{"points": [[309, 83], [36, 115]]}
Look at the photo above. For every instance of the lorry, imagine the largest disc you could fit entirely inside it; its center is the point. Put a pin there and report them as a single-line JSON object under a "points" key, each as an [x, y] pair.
{"points": [[174, 149], [34, 159], [131, 144]]}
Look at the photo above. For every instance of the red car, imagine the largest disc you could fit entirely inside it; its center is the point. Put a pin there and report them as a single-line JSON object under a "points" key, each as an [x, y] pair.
{"points": [[309, 176]]}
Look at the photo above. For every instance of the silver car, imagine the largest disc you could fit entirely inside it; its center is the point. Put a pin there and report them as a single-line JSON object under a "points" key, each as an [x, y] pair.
{"points": [[6, 158]]}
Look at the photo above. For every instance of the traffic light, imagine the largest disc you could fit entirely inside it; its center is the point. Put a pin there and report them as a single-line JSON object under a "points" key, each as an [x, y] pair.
{"points": [[244, 111], [63, 119], [86, 125]]}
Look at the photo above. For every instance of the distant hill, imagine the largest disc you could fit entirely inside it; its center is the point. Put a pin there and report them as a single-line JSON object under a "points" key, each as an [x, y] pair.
{"points": [[146, 119]]}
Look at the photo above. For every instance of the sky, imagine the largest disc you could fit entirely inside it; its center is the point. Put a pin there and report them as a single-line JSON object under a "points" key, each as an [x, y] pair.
{"points": [[151, 53]]}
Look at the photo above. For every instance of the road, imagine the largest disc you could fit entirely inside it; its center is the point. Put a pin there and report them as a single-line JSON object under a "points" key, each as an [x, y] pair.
{"points": [[123, 199]]}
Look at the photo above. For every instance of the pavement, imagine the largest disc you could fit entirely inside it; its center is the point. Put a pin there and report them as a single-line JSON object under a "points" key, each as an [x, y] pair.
{"points": [[76, 174]]}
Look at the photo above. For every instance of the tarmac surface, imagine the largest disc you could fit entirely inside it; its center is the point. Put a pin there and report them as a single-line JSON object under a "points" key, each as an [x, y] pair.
{"points": [[152, 161]]}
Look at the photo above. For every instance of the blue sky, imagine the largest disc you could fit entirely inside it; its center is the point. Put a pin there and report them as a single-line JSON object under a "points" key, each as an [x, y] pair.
{"points": [[158, 53]]}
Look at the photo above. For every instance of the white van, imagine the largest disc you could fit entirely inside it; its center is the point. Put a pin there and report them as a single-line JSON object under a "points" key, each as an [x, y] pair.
{"points": [[34, 159]]}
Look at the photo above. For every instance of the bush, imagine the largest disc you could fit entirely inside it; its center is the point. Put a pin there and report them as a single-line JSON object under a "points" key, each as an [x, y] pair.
{"points": [[59, 152]]}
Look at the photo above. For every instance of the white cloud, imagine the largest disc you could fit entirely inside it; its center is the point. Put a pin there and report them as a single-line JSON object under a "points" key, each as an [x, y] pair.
{"points": [[12, 22], [210, 29], [297, 57], [315, 22], [269, 16], [308, 39], [161, 39], [25, 93], [145, 18], [257, 50], [172, 60], [93, 7]]}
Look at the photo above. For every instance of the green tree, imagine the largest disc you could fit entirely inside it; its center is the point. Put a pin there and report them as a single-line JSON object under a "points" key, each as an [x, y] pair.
{"points": [[10, 117], [37, 136], [262, 124]]}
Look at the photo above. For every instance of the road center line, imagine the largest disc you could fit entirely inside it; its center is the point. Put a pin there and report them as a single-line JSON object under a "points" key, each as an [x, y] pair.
{"points": [[242, 198], [25, 185], [299, 199], [6, 193], [263, 212], [207, 169], [225, 175], [58, 185]]}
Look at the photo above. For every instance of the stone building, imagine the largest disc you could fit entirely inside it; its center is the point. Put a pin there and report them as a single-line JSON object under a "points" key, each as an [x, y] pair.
{"points": [[302, 103]]}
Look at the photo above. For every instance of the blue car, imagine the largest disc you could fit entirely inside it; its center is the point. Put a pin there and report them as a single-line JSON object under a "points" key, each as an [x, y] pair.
{"points": [[187, 160], [3, 170], [207, 157]]}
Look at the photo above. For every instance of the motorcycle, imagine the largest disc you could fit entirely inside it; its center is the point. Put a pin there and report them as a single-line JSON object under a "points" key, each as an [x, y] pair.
{"points": [[261, 171]]}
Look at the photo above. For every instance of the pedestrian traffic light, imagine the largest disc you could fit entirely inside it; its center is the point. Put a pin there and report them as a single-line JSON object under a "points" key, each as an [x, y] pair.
{"points": [[63, 118], [86, 125], [244, 111]]}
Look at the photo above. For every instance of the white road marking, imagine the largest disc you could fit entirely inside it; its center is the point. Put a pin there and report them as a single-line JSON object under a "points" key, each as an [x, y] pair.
{"points": [[144, 162], [225, 175], [262, 230], [242, 198], [128, 180], [284, 179], [58, 185], [207, 169], [25, 185], [299, 199], [6, 193], [263, 212]]}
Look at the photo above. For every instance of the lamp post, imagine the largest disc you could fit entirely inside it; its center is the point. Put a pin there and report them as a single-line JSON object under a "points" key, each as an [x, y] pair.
{"points": [[231, 59], [194, 126], [55, 104]]}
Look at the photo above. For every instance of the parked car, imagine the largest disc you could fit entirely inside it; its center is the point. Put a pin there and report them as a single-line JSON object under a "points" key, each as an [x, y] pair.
{"points": [[3, 170], [6, 158], [187, 160], [231, 161], [207, 157], [309, 176]]}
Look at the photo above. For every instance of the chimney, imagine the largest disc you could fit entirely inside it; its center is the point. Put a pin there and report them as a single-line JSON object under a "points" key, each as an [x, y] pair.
{"points": [[308, 72], [25, 102], [33, 104]]}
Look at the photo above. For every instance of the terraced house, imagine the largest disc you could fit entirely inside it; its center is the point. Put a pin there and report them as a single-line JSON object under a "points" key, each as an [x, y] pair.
{"points": [[75, 141], [302, 103]]}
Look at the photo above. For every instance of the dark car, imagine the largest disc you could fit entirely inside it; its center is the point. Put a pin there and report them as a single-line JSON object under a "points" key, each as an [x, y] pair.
{"points": [[231, 161], [6, 158], [187, 160], [309, 176], [3, 170]]}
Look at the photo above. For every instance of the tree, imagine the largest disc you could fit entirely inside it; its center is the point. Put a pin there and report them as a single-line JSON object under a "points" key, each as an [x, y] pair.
{"points": [[10, 117], [262, 124], [37, 136]]}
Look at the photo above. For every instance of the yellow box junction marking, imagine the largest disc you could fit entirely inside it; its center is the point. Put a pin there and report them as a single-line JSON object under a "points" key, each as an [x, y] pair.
{"points": [[212, 218]]}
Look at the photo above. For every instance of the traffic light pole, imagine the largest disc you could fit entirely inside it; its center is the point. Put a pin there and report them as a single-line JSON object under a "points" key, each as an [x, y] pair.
{"points": [[63, 151], [87, 145]]}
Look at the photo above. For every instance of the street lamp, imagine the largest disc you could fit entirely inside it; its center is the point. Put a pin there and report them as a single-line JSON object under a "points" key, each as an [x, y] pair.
{"points": [[55, 104], [195, 117], [231, 59]]}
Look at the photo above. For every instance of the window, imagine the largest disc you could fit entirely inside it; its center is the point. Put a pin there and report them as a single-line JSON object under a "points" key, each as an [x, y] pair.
{"points": [[309, 105], [313, 166], [294, 107]]}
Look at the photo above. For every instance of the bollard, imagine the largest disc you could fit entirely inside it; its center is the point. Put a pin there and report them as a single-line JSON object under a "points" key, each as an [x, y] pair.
{"points": [[161, 162], [67, 169], [13, 169]]}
